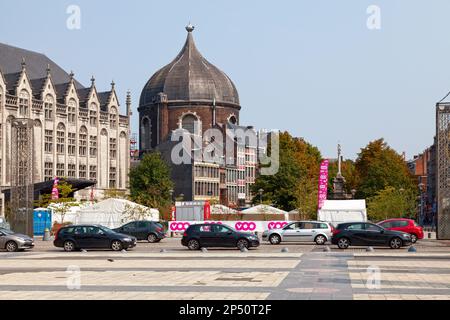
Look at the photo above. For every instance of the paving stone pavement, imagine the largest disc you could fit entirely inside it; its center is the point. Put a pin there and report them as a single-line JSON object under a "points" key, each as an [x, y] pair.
{"points": [[226, 274]]}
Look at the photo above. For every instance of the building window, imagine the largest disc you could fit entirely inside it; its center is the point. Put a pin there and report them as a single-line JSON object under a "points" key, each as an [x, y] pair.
{"points": [[24, 103], [71, 170], [48, 107], [72, 140], [190, 123], [82, 171], [113, 118], [60, 139], [82, 147], [146, 134], [112, 177], [93, 146], [60, 172], [48, 146], [93, 115], [71, 111], [112, 148], [48, 171], [92, 172]]}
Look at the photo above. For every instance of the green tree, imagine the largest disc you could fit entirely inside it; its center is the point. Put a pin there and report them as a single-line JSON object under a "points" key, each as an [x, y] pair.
{"points": [[150, 183], [379, 166], [391, 203], [294, 186]]}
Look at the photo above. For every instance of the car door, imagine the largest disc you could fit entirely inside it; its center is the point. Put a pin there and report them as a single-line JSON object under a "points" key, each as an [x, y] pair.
{"points": [[2, 239], [142, 229], [291, 232], [130, 229], [357, 234], [80, 237], [224, 235], [306, 231], [376, 235], [96, 238], [207, 237]]}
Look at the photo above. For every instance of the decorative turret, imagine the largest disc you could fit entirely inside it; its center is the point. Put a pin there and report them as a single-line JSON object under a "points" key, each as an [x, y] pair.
{"points": [[128, 104]]}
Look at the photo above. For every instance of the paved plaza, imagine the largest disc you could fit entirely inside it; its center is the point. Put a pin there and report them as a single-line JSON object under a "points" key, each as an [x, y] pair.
{"points": [[305, 272]]}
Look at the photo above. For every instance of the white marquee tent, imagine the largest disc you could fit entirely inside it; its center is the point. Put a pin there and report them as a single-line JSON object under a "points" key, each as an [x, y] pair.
{"points": [[265, 209], [221, 209], [338, 211], [110, 213]]}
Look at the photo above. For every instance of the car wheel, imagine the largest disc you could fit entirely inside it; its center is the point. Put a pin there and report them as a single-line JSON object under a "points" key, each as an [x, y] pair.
{"points": [[69, 246], [242, 243], [116, 245], [275, 239], [343, 243], [193, 244], [152, 238], [11, 246], [320, 239], [413, 238], [395, 243]]}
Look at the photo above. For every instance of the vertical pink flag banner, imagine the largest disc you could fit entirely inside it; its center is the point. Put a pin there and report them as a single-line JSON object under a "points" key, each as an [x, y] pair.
{"points": [[55, 192], [323, 183]]}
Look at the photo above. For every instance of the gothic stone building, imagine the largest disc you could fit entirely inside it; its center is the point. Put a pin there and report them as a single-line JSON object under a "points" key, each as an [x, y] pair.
{"points": [[78, 131], [193, 94]]}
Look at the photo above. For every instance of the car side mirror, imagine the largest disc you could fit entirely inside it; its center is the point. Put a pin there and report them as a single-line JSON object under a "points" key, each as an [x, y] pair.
{"points": [[382, 231], [229, 233]]}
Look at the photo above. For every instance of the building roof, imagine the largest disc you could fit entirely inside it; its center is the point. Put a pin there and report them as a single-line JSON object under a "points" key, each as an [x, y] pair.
{"points": [[190, 77], [36, 64]]}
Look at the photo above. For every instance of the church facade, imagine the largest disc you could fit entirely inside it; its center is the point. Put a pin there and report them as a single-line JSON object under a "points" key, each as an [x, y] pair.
{"points": [[192, 94], [78, 132]]}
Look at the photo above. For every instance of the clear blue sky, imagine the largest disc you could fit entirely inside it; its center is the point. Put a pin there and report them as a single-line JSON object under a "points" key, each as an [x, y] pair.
{"points": [[310, 67]]}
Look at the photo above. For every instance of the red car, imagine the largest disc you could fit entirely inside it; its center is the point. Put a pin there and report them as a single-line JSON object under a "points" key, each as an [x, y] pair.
{"points": [[404, 225]]}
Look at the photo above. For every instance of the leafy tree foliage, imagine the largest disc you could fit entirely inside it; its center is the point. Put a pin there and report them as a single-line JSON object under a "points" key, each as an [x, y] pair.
{"points": [[295, 184], [150, 183], [392, 203], [379, 166]]}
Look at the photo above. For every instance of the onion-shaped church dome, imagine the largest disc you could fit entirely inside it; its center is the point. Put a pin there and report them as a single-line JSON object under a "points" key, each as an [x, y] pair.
{"points": [[190, 78]]}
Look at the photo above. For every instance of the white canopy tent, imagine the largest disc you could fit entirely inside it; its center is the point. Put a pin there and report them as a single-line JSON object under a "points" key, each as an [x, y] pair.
{"points": [[221, 209], [110, 213], [338, 211], [265, 209]]}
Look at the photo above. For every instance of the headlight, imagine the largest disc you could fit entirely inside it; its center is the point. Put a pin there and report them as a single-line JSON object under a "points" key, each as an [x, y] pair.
{"points": [[127, 239]]}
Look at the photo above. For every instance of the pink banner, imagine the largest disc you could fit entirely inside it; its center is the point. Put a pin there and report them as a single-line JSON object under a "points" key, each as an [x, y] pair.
{"points": [[55, 191], [323, 183]]}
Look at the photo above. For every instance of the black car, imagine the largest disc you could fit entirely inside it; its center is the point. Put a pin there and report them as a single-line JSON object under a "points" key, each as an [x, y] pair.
{"points": [[216, 235], [143, 230], [368, 234], [77, 237]]}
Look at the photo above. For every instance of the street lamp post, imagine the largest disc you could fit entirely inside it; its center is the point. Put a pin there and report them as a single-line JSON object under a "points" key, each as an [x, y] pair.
{"points": [[260, 191]]}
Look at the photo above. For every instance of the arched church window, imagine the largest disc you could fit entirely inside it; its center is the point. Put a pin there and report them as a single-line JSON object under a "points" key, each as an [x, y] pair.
{"points": [[24, 103], [71, 110], [113, 117], [60, 138], [190, 123], [93, 115], [82, 141], [232, 119], [48, 107], [146, 129]]}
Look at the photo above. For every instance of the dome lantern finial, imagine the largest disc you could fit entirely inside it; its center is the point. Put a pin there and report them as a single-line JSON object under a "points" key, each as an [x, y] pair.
{"points": [[190, 27]]}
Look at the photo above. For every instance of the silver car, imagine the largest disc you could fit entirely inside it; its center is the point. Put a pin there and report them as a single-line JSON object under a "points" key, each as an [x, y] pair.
{"points": [[313, 231], [11, 241]]}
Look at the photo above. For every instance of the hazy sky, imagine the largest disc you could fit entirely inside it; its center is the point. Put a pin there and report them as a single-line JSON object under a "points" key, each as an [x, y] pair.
{"points": [[310, 67]]}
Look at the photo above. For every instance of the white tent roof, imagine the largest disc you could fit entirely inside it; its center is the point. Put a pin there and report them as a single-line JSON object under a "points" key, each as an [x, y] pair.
{"points": [[344, 205], [109, 213], [263, 208], [221, 209]]}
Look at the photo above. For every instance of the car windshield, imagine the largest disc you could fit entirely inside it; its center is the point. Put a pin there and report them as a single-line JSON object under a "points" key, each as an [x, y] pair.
{"points": [[6, 231], [106, 230]]}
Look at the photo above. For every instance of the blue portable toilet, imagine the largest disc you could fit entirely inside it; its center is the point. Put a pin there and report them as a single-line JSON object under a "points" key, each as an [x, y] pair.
{"points": [[42, 219]]}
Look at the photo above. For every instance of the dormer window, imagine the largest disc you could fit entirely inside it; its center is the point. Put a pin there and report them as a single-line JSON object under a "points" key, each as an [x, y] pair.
{"points": [[113, 118], [71, 111], [24, 104], [48, 107]]}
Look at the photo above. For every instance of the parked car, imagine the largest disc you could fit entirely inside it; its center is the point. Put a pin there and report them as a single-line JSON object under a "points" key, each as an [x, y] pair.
{"points": [[404, 225], [11, 241], [312, 231], [143, 230], [77, 237], [368, 234], [216, 235]]}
